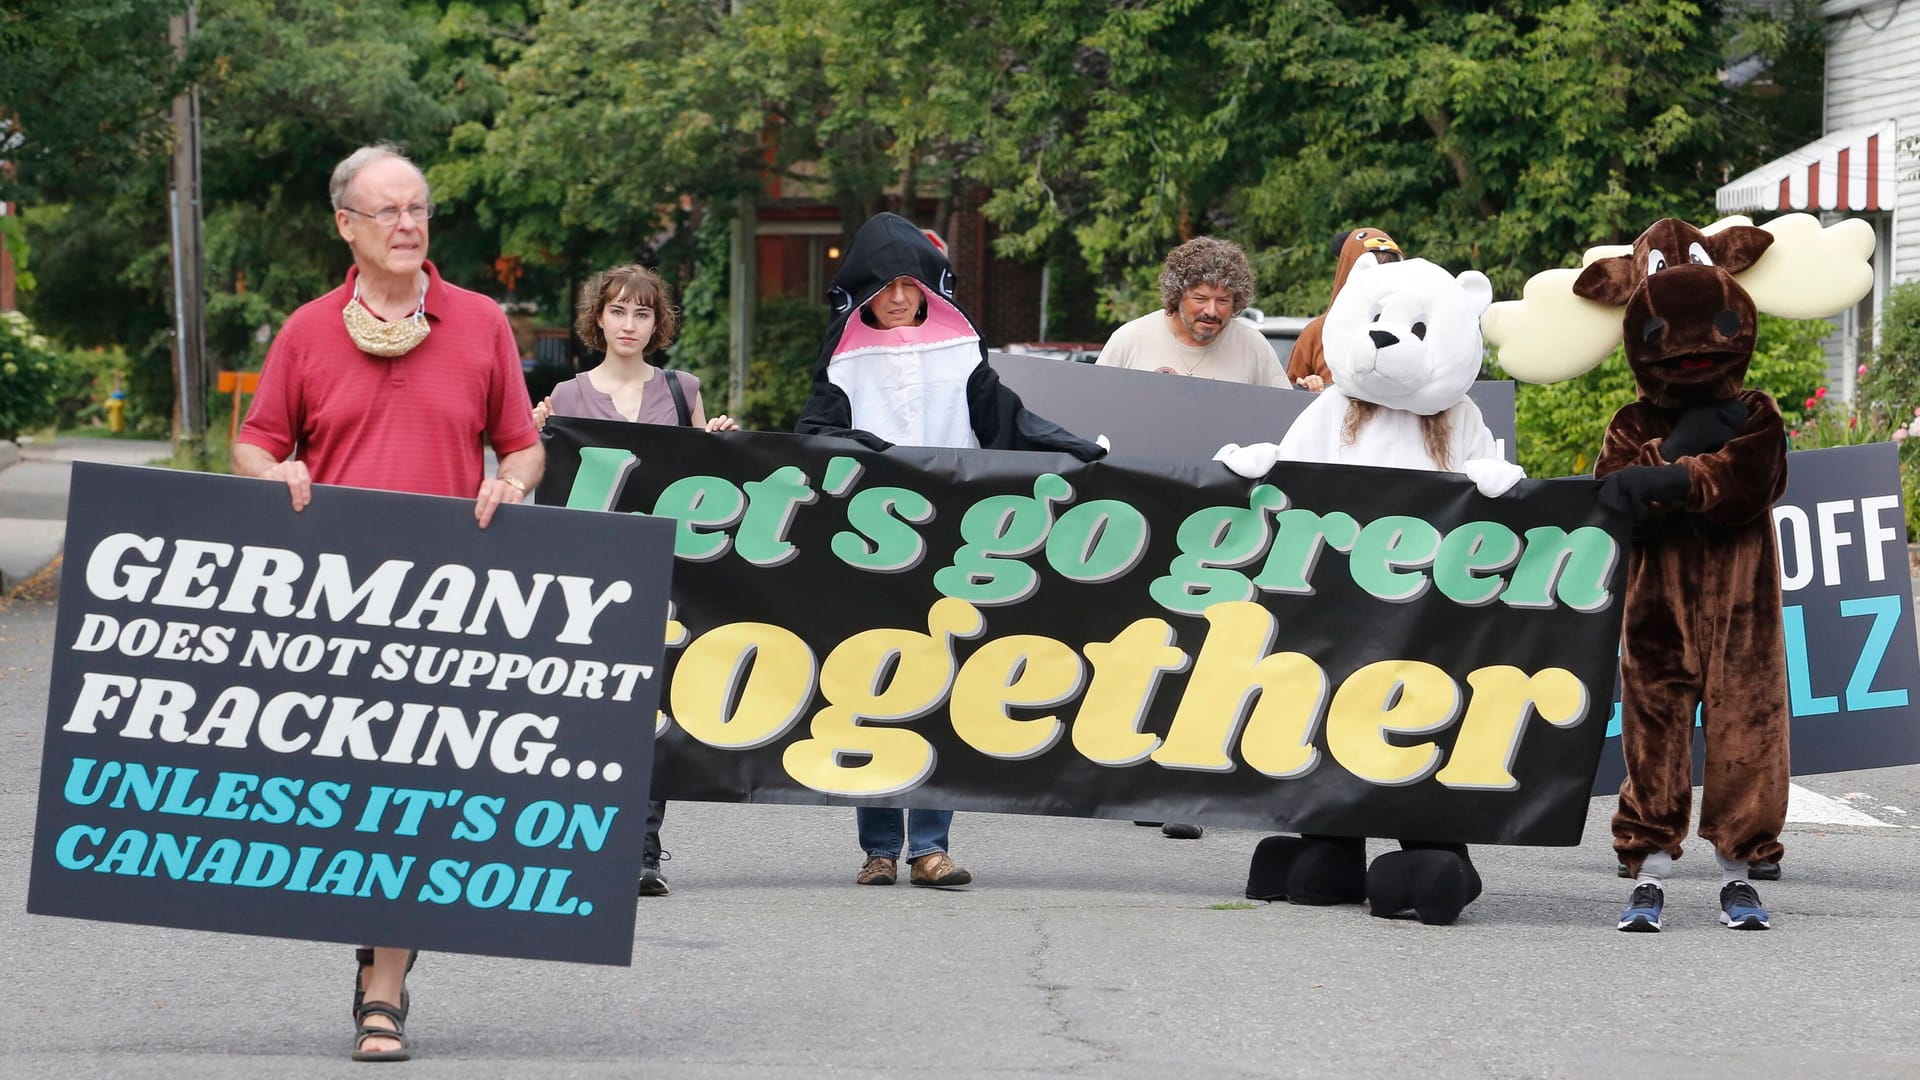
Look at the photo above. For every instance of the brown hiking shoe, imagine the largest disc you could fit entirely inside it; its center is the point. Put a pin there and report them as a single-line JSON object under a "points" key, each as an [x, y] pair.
{"points": [[877, 870], [938, 870]]}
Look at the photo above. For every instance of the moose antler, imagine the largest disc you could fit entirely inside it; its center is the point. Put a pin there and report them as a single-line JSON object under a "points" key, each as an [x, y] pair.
{"points": [[1809, 272]]}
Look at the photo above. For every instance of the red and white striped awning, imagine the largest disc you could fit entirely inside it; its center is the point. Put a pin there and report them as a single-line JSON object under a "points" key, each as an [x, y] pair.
{"points": [[1851, 170]]}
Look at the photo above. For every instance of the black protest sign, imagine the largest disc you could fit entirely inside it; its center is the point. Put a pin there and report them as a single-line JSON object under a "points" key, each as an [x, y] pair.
{"points": [[369, 722], [1852, 662], [1335, 649], [1178, 418]]}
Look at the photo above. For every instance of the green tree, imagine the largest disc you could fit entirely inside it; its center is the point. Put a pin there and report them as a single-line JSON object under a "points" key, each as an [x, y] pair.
{"points": [[1506, 138], [288, 87]]}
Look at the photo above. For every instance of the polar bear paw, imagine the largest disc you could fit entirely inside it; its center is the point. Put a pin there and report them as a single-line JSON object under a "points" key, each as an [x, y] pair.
{"points": [[1493, 476], [1251, 462]]}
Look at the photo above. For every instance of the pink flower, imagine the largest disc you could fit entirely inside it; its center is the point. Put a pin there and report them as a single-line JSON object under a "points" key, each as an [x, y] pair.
{"points": [[1862, 371], [1914, 428], [1811, 402], [1820, 393], [1795, 433], [1899, 434], [1852, 422]]}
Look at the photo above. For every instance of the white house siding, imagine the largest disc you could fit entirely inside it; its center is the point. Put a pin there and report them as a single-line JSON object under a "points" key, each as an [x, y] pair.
{"points": [[1873, 74]]}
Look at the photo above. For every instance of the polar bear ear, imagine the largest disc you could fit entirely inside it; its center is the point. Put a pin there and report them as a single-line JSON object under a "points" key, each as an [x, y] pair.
{"points": [[1478, 289]]}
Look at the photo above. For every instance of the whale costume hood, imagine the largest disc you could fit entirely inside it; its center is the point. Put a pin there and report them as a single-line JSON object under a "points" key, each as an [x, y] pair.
{"points": [[924, 385]]}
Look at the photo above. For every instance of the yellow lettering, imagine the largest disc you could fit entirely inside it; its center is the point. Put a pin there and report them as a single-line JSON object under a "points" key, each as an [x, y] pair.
{"points": [[852, 679], [1232, 669], [1496, 718], [1400, 697], [1025, 670], [768, 668], [1126, 673]]}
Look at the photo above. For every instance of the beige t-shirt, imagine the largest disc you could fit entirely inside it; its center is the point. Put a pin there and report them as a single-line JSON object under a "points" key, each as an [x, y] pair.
{"points": [[1238, 354]]}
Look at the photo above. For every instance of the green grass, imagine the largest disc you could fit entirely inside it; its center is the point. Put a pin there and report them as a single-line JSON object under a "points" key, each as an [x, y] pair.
{"points": [[1233, 905]]}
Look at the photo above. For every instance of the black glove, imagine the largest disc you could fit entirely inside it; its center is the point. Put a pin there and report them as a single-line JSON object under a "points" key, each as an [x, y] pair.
{"points": [[1632, 488], [1704, 428]]}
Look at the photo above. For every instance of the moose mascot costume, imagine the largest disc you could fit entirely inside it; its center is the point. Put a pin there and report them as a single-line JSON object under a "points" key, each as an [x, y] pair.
{"points": [[1698, 461]]}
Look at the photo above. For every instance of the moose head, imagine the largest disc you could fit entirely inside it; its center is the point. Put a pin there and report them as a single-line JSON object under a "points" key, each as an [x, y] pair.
{"points": [[1689, 327]]}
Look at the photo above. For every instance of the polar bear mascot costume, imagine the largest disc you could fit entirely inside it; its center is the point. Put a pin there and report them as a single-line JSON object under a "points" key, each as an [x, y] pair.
{"points": [[1403, 342]]}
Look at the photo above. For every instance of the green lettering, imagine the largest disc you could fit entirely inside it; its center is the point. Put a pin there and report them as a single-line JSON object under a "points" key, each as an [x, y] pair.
{"points": [[999, 530], [597, 480], [1475, 546], [1387, 544], [1097, 541], [708, 501], [771, 504], [1575, 566], [1212, 542], [1297, 538], [881, 515]]}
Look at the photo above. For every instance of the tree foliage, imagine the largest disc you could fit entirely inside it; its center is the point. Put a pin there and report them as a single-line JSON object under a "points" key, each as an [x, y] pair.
{"points": [[561, 136]]}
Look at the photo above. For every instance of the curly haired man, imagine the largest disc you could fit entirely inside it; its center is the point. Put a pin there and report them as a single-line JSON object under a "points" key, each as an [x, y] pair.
{"points": [[1204, 283]]}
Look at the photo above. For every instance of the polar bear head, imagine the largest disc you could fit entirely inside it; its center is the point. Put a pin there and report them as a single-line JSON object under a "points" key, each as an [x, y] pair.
{"points": [[1406, 335]]}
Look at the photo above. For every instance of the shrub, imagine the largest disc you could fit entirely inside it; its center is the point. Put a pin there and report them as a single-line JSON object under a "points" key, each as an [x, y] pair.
{"points": [[86, 378], [1890, 379], [786, 341], [29, 377], [1887, 402]]}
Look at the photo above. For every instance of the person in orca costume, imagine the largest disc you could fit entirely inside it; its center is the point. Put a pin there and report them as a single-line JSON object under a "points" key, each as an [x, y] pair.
{"points": [[926, 384], [902, 365]]}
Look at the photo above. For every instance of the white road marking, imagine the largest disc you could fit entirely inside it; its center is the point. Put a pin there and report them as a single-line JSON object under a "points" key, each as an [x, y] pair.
{"points": [[1805, 807]]}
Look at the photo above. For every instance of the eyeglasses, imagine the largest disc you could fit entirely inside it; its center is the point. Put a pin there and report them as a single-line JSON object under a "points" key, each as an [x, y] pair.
{"points": [[389, 216]]}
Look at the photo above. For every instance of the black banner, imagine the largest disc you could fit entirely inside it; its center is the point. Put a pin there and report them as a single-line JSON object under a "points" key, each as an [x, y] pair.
{"points": [[1851, 654], [1336, 649], [370, 721], [1156, 415]]}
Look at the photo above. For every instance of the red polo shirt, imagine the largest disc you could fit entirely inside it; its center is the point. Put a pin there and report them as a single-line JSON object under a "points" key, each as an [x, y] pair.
{"points": [[411, 423]]}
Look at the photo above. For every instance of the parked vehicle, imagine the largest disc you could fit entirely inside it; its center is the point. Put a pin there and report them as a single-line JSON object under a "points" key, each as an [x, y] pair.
{"points": [[1281, 331], [1079, 352]]}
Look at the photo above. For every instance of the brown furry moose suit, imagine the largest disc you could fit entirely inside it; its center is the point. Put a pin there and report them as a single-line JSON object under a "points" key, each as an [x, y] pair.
{"points": [[1700, 461]]}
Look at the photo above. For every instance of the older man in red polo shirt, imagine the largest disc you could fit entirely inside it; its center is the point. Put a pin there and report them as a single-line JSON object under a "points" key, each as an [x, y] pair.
{"points": [[391, 381]]}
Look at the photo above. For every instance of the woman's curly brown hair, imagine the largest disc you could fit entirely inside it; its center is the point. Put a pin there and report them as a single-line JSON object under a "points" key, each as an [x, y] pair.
{"points": [[633, 283], [1205, 260]]}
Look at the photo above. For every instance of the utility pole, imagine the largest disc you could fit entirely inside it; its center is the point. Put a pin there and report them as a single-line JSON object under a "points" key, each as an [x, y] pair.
{"points": [[742, 280], [189, 294], [740, 298]]}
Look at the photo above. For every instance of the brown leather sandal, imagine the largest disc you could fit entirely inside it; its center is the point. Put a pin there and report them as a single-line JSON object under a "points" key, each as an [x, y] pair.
{"points": [[367, 1031]]}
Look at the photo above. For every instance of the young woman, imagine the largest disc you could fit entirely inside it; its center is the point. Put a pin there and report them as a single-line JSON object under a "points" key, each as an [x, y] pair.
{"points": [[627, 314]]}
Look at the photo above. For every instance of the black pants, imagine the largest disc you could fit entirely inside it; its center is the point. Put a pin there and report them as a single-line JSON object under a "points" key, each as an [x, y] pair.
{"points": [[650, 846]]}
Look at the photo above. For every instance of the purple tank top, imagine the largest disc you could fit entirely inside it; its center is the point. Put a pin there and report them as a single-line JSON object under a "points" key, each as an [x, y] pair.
{"points": [[579, 397]]}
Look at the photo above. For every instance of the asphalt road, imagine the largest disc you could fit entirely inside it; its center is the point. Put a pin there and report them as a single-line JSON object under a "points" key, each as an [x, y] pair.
{"points": [[1086, 948]]}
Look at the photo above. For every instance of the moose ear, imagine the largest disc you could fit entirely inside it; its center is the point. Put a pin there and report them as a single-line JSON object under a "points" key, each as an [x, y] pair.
{"points": [[1607, 281], [1739, 247], [1340, 241]]}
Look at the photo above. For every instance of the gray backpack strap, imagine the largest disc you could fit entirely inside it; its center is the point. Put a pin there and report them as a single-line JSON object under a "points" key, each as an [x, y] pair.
{"points": [[680, 407]]}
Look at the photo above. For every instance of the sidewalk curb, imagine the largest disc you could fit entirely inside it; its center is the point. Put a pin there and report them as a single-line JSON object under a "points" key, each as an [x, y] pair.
{"points": [[9, 452]]}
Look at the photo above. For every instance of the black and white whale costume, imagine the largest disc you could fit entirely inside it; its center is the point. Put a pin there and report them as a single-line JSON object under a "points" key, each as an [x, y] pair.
{"points": [[924, 385]]}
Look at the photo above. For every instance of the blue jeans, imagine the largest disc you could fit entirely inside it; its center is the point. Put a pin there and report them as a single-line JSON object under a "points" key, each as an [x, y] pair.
{"points": [[880, 831]]}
